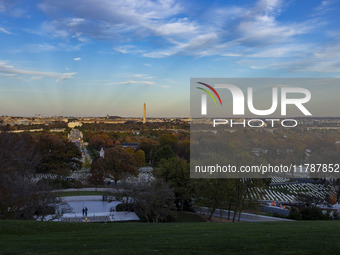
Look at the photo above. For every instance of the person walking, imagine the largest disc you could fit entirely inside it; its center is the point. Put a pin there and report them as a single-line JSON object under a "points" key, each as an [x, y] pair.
{"points": [[86, 211]]}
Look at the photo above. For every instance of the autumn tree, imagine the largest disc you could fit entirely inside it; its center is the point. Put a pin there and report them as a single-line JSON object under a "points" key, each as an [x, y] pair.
{"points": [[147, 145], [86, 163], [170, 140], [58, 155], [99, 141], [97, 173], [116, 163], [140, 156]]}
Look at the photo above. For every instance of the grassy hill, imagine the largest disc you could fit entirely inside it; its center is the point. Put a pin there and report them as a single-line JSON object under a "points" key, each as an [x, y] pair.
{"points": [[303, 237]]}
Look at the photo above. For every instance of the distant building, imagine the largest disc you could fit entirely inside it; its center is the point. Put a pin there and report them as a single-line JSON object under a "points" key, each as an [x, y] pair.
{"points": [[144, 114], [58, 130], [74, 124], [75, 134], [133, 146]]}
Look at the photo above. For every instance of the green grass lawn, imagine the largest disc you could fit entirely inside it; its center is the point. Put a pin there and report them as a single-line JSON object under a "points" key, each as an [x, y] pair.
{"points": [[187, 217], [29, 237]]}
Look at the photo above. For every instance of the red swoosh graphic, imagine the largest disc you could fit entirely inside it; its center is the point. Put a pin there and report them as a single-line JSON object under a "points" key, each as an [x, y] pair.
{"points": [[213, 90]]}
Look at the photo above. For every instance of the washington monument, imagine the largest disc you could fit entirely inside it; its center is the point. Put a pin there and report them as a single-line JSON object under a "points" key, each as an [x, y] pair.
{"points": [[144, 114]]}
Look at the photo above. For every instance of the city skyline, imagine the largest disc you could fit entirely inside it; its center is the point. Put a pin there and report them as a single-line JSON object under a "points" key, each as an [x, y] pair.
{"points": [[92, 58]]}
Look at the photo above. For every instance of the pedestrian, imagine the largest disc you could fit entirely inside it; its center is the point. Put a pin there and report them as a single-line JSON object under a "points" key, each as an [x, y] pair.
{"points": [[86, 211], [83, 211]]}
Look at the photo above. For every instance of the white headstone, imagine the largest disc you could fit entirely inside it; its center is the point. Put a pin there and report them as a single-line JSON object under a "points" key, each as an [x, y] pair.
{"points": [[102, 153]]}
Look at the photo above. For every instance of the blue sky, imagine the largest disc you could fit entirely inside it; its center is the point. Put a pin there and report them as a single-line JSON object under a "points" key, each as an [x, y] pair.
{"points": [[98, 57]]}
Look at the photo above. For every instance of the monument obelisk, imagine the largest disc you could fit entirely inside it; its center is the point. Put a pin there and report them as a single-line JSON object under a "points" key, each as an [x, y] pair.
{"points": [[144, 114]]}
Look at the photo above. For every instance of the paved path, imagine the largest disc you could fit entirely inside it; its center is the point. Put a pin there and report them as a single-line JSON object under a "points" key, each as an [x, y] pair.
{"points": [[244, 216], [87, 219], [98, 210], [113, 189]]}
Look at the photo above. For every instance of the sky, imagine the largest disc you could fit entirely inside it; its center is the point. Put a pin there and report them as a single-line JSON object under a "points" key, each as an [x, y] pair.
{"points": [[98, 57]]}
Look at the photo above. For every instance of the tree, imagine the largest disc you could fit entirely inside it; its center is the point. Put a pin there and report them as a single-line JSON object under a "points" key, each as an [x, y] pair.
{"points": [[176, 172], [116, 163], [58, 155], [149, 149], [212, 193], [20, 196], [239, 196], [151, 199], [130, 150], [335, 185], [99, 141], [170, 140], [164, 152], [86, 163], [140, 155], [97, 173]]}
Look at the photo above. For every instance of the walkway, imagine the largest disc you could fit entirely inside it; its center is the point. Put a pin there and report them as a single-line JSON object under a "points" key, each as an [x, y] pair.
{"points": [[244, 216]]}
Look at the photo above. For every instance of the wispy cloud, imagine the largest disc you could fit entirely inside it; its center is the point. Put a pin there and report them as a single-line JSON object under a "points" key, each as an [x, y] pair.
{"points": [[11, 8], [314, 58], [132, 82], [3, 30], [166, 28], [323, 8], [138, 80], [142, 76], [40, 47], [123, 21], [11, 71], [128, 49], [76, 59], [10, 75]]}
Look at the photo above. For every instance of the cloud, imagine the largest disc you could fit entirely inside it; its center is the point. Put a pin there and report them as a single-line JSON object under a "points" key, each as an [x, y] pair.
{"points": [[4, 5], [3, 30], [11, 71], [132, 82], [309, 57], [161, 29], [76, 59], [283, 51], [40, 47], [37, 78], [323, 8], [10, 75], [128, 49], [113, 19], [11, 8], [142, 76]]}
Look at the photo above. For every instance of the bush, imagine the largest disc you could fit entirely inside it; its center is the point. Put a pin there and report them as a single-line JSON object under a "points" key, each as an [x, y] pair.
{"points": [[314, 213], [65, 184], [276, 214], [308, 213], [124, 207], [294, 214]]}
